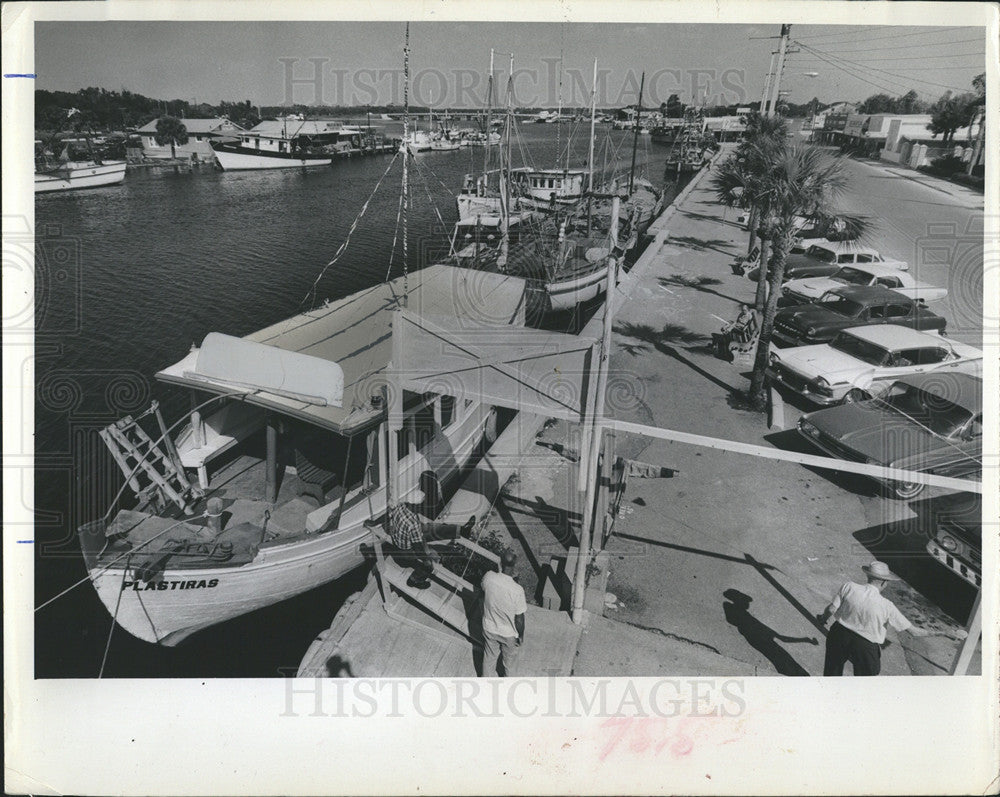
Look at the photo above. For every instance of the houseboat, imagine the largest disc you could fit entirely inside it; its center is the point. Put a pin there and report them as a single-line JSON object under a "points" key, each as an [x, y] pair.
{"points": [[287, 143]]}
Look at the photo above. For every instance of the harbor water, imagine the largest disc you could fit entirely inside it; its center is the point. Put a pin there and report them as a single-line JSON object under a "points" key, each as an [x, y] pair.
{"points": [[129, 277]]}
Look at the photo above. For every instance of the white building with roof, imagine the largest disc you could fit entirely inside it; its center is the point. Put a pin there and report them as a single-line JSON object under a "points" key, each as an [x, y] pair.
{"points": [[200, 132]]}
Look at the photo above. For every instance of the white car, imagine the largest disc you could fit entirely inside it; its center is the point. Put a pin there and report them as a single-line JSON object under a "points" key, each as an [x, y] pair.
{"points": [[863, 362], [811, 289]]}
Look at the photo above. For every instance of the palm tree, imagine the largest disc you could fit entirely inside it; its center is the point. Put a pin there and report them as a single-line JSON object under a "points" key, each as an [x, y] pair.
{"points": [[741, 182], [170, 130], [799, 181]]}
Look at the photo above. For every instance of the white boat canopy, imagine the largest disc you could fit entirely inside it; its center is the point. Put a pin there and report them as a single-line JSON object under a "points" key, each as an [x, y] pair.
{"points": [[546, 373], [355, 334]]}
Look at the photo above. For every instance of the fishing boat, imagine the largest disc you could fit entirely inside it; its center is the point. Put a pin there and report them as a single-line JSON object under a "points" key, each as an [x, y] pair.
{"points": [[688, 151], [417, 141], [263, 492], [290, 142], [73, 175]]}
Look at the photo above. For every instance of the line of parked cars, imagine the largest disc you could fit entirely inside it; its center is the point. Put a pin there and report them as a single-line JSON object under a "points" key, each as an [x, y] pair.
{"points": [[854, 336]]}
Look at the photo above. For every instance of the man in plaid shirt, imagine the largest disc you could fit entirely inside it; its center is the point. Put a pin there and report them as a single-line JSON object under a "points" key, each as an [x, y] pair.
{"points": [[408, 534]]}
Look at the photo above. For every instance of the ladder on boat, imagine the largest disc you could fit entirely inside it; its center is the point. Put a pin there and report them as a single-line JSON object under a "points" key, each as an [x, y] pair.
{"points": [[139, 456]]}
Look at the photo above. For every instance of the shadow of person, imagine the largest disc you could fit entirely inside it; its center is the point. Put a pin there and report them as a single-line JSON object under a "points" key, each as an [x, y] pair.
{"points": [[338, 667], [761, 637]]}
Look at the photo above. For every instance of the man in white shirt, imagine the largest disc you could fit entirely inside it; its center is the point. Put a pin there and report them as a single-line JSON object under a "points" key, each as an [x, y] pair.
{"points": [[504, 608], [860, 616]]}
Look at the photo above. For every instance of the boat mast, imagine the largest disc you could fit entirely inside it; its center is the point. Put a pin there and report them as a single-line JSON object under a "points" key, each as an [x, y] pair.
{"points": [[489, 118], [406, 157], [635, 137], [559, 111], [505, 174], [593, 119]]}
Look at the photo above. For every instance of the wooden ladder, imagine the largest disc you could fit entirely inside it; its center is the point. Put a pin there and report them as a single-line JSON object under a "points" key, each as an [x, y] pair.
{"points": [[135, 452], [443, 599]]}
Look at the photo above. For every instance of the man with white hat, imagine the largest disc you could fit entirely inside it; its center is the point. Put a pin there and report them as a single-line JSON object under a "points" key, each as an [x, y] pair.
{"points": [[860, 616]]}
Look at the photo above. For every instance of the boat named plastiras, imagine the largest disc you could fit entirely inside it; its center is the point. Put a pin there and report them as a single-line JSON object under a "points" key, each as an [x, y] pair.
{"points": [[263, 492], [73, 175], [289, 142]]}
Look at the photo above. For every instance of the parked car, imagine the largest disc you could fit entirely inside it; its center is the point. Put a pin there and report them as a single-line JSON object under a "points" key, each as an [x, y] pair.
{"points": [[811, 289], [822, 260], [958, 544], [848, 307], [930, 423], [863, 362], [820, 233]]}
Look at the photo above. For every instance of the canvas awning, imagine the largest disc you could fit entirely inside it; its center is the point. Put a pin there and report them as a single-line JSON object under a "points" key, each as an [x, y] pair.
{"points": [[546, 373]]}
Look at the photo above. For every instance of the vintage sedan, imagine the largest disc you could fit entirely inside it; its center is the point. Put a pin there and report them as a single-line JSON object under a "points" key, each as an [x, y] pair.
{"points": [[847, 307], [812, 289], [864, 362], [931, 423], [822, 260], [958, 544]]}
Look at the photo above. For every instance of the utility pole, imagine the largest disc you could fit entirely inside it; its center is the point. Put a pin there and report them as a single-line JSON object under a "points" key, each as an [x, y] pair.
{"points": [[767, 87], [782, 50]]}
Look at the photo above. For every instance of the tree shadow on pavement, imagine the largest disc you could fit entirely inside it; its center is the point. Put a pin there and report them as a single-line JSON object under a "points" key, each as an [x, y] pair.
{"points": [[667, 340], [698, 284], [761, 637], [716, 219], [719, 245]]}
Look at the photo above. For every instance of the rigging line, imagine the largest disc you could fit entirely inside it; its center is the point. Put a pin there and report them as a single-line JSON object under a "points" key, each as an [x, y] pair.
{"points": [[354, 225], [882, 36], [114, 621], [885, 72], [395, 235], [129, 553]]}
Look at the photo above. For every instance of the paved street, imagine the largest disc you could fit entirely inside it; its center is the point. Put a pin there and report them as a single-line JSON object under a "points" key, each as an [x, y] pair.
{"points": [[935, 226]]}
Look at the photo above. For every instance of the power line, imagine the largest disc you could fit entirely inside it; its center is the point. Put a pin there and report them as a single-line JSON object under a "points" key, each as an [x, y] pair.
{"points": [[922, 57], [909, 78], [870, 81], [886, 35], [919, 44]]}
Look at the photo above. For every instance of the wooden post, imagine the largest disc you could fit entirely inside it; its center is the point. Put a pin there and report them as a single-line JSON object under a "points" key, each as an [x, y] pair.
{"points": [[974, 629], [395, 410], [271, 468], [588, 458], [604, 471]]}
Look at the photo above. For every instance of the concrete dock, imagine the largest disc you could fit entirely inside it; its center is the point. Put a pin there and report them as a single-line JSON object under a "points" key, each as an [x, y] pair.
{"points": [[717, 570]]}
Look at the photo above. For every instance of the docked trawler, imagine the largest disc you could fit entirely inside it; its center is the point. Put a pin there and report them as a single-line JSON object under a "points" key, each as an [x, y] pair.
{"points": [[263, 492]]}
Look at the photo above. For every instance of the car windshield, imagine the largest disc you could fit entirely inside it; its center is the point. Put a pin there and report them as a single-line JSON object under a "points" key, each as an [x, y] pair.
{"points": [[863, 350], [853, 276], [840, 305], [931, 411], [822, 253]]}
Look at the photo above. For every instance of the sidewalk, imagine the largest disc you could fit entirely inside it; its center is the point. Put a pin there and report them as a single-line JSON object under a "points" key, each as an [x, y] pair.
{"points": [[963, 195]]}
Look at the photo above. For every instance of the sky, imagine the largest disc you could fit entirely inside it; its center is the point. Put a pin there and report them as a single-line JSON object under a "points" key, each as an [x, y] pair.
{"points": [[358, 63]]}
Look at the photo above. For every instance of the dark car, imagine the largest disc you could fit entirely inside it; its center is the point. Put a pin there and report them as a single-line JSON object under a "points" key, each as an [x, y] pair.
{"points": [[958, 544], [847, 307], [824, 259], [931, 423]]}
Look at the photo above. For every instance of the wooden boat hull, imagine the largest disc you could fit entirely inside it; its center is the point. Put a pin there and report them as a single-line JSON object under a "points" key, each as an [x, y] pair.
{"points": [[181, 601], [567, 294], [80, 175]]}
